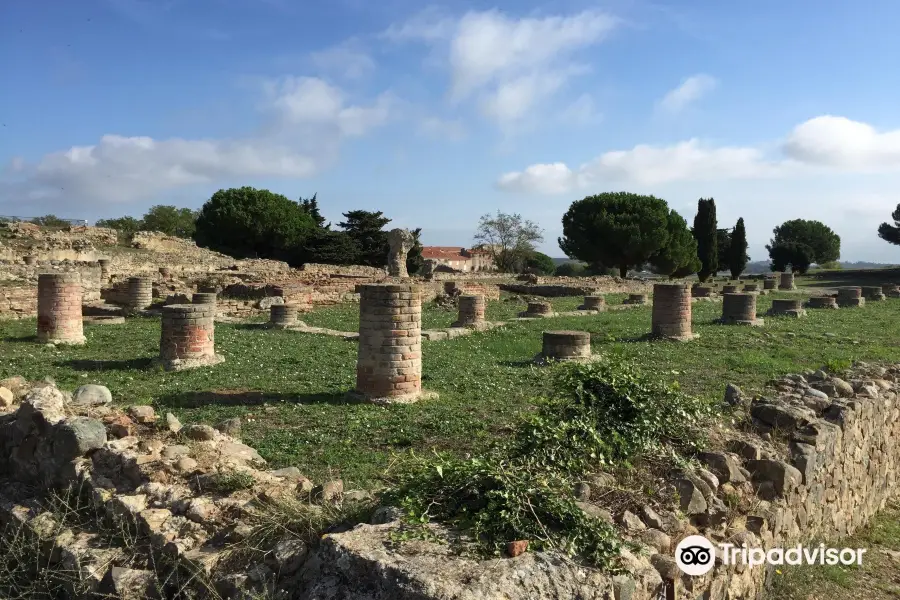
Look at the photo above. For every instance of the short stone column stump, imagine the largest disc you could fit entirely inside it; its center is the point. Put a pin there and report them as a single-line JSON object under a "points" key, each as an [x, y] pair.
{"points": [[565, 346], [140, 293], [730, 289], [187, 340], [59, 319], [671, 317], [873, 293], [389, 359], [850, 297], [751, 288], [597, 303], [740, 309], [822, 302], [702, 291], [787, 282], [769, 284], [538, 310], [104, 269], [471, 312], [203, 298], [786, 308], [635, 299], [891, 290], [282, 316]]}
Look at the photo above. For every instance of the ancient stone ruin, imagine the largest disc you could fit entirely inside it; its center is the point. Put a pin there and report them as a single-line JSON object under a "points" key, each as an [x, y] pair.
{"points": [[283, 316], [59, 309], [671, 317], [537, 310], [471, 312], [187, 340], [822, 302], [787, 282], [401, 242], [850, 297], [769, 284], [140, 293], [593, 302], [739, 309], [565, 346], [636, 298], [786, 308], [872, 293], [730, 289], [891, 290]]}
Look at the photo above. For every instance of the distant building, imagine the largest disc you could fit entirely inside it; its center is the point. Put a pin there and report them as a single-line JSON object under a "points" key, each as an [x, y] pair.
{"points": [[460, 259]]}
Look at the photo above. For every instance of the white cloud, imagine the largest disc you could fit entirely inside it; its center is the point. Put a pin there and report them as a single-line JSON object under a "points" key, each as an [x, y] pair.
{"points": [[839, 142], [309, 120], [443, 129], [691, 89], [554, 178], [581, 112], [509, 65], [345, 59]]}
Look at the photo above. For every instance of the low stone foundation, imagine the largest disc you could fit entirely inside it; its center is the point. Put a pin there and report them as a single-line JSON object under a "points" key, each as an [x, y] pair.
{"points": [[822, 302], [873, 293], [730, 289], [751, 288], [538, 310], [740, 309], [786, 308], [850, 297], [597, 303], [565, 346]]}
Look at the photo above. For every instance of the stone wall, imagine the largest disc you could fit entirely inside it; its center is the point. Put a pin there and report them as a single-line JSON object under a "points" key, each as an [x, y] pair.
{"points": [[348, 270]]}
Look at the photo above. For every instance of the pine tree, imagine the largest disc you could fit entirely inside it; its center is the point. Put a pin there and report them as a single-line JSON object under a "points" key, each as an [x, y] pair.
{"points": [[311, 206], [737, 251], [705, 231]]}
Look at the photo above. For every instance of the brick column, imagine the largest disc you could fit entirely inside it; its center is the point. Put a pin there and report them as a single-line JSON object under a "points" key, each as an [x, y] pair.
{"points": [[565, 346], [701, 291], [187, 339], [769, 284], [59, 308], [787, 282], [850, 296], [140, 293], [872, 292], [729, 289], [750, 288], [389, 362], [284, 315], [786, 308], [471, 312], [739, 309], [636, 299], [822, 302], [671, 317], [104, 269], [597, 303], [538, 309], [203, 298]]}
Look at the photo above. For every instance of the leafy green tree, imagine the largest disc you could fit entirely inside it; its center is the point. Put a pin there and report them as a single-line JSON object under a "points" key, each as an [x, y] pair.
{"points": [[737, 250], [811, 240], [571, 269], [247, 222], [723, 246], [125, 226], [367, 230], [615, 228], [171, 220], [891, 233], [328, 247], [705, 231], [509, 239], [50, 221], [678, 258], [414, 259], [311, 206], [794, 255], [540, 264]]}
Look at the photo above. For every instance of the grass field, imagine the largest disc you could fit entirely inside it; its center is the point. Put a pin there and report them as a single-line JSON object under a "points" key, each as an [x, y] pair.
{"points": [[289, 387]]}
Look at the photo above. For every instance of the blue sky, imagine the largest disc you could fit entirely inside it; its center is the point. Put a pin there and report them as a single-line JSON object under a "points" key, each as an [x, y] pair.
{"points": [[436, 114]]}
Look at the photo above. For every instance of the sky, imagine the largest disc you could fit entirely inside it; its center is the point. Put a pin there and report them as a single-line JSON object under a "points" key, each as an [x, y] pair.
{"points": [[436, 114]]}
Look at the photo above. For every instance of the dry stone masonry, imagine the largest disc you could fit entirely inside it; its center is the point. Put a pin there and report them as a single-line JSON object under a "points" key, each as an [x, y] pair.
{"points": [[59, 308], [471, 312], [140, 293], [787, 282], [786, 308], [739, 309], [671, 317], [565, 346], [822, 302], [187, 339], [389, 360], [850, 297]]}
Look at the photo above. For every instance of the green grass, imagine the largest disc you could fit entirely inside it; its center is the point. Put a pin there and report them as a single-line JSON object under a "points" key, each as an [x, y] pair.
{"points": [[288, 387]]}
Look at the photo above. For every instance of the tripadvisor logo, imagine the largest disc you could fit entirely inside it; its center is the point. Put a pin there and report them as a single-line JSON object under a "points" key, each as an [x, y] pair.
{"points": [[695, 555]]}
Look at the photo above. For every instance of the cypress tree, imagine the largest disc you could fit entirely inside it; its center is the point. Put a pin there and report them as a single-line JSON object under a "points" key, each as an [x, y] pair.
{"points": [[737, 251], [706, 233]]}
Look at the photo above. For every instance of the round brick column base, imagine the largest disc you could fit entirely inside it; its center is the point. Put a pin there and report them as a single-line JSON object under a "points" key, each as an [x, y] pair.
{"points": [[595, 303], [538, 310], [183, 364], [671, 317], [851, 302], [850, 297], [635, 299], [565, 346], [770, 284], [822, 302], [873, 293], [471, 312], [47, 339], [786, 308]]}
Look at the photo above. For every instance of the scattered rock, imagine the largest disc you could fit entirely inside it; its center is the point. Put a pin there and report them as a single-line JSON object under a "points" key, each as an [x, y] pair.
{"points": [[289, 473], [172, 423], [92, 395], [725, 468], [175, 451], [592, 510], [631, 521], [144, 415], [186, 465], [330, 491], [267, 303], [517, 548], [666, 566], [692, 501], [129, 584], [844, 389], [709, 479], [733, 395], [651, 518], [656, 539], [582, 491], [784, 477], [6, 397], [200, 433], [385, 514], [76, 437], [119, 426], [230, 427], [17, 385], [288, 556], [356, 496]]}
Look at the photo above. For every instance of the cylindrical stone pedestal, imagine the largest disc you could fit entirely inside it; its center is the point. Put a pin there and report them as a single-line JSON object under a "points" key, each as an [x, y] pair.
{"points": [[187, 340], [873, 293], [59, 309], [850, 296], [822, 302], [729, 289], [597, 303], [140, 293], [471, 312], [636, 299], [203, 298], [206, 289], [891, 290], [786, 308], [166, 272], [671, 316], [104, 269], [283, 315], [769, 284], [701, 291], [787, 282], [565, 346], [750, 288], [739, 309], [29, 260], [538, 309], [389, 363]]}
